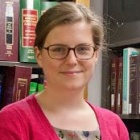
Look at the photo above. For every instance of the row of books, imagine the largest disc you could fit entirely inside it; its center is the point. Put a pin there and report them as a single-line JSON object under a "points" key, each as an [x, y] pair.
{"points": [[18, 21], [125, 82], [17, 82], [17, 27]]}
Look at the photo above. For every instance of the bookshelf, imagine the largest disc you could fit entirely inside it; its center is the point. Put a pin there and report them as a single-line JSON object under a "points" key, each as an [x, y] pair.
{"points": [[9, 63], [130, 117], [122, 22]]}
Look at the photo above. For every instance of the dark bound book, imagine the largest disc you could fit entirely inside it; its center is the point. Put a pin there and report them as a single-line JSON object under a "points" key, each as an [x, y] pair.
{"points": [[119, 90], [134, 89], [16, 83], [9, 19], [114, 82], [1, 88]]}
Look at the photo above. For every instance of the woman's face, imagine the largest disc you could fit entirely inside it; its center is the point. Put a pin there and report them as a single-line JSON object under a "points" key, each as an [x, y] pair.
{"points": [[70, 72]]}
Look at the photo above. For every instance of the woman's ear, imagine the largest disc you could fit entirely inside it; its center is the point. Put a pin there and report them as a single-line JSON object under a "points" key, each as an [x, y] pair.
{"points": [[96, 55], [38, 56]]}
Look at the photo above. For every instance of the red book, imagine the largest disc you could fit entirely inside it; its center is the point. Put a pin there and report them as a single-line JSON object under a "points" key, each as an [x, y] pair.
{"points": [[16, 83], [114, 82], [9, 17]]}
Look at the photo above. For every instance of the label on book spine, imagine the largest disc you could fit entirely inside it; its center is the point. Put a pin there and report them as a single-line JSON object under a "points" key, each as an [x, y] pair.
{"points": [[29, 21], [21, 87], [9, 24]]}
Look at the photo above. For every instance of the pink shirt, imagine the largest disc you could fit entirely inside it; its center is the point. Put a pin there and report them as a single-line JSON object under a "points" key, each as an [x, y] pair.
{"points": [[24, 120]]}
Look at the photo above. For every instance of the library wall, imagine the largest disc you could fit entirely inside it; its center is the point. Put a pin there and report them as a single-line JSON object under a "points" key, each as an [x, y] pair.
{"points": [[95, 85]]}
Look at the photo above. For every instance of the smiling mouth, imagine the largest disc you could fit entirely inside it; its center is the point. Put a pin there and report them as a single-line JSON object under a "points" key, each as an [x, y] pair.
{"points": [[71, 72]]}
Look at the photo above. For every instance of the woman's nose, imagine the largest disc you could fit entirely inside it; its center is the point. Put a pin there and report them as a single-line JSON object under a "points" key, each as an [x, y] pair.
{"points": [[71, 58]]}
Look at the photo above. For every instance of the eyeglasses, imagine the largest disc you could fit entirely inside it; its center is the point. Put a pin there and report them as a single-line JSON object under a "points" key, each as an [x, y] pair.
{"points": [[60, 51]]}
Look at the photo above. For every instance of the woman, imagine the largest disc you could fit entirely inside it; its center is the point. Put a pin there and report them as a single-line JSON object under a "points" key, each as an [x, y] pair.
{"points": [[68, 40]]}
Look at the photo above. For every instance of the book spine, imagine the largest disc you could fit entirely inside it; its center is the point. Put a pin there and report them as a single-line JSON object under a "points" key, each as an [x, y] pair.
{"points": [[29, 15], [45, 5], [84, 2], [41, 86], [16, 84], [9, 24], [134, 85], [21, 88], [114, 82], [33, 83], [138, 85], [120, 74], [8, 85], [22, 82], [127, 52], [9, 30]]}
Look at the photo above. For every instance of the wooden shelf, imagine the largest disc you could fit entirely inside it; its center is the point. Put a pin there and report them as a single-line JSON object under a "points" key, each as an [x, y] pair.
{"points": [[9, 63], [130, 117]]}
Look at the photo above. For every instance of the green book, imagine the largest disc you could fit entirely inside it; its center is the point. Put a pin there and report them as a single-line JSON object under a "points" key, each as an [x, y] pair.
{"points": [[33, 88], [33, 83], [40, 87], [29, 15], [46, 5]]}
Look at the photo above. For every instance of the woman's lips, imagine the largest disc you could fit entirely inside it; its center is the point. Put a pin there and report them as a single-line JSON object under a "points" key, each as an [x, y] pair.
{"points": [[71, 72]]}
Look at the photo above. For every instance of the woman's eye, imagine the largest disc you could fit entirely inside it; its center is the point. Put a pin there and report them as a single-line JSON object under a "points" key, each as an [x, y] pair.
{"points": [[58, 49], [83, 48]]}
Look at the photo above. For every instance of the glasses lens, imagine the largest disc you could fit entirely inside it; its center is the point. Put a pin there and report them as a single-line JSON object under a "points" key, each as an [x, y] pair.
{"points": [[84, 51], [58, 51]]}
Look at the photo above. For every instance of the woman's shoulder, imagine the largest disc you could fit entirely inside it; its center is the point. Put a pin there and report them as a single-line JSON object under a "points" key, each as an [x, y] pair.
{"points": [[111, 121], [103, 111], [107, 116], [19, 106]]}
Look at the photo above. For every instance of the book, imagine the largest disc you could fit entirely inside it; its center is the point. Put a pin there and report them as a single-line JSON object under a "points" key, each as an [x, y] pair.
{"points": [[1, 88], [33, 83], [106, 78], [16, 83], [9, 20], [45, 5], [41, 84], [29, 15], [127, 52], [120, 83], [114, 82], [134, 89], [84, 2]]}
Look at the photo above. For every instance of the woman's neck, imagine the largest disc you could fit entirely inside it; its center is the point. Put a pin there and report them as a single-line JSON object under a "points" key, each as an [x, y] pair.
{"points": [[64, 99], [67, 110]]}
